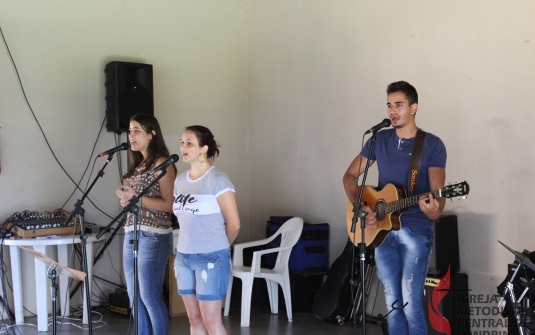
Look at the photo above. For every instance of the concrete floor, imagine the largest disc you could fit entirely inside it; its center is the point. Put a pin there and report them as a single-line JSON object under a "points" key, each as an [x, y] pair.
{"points": [[262, 323]]}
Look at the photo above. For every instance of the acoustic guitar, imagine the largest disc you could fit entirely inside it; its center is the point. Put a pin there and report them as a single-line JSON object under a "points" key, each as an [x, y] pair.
{"points": [[388, 203]]}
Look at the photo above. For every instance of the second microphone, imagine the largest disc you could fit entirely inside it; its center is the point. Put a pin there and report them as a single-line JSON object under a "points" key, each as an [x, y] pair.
{"points": [[164, 165]]}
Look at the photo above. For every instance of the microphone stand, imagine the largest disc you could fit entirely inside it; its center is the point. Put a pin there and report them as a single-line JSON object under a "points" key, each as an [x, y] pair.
{"points": [[83, 238], [52, 273], [102, 250], [358, 213], [134, 209], [108, 227]]}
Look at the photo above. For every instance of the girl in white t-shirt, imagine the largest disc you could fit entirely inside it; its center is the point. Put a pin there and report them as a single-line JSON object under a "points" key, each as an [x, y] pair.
{"points": [[206, 208]]}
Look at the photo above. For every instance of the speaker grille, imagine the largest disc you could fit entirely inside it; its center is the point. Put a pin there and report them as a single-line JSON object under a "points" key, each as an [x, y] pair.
{"points": [[129, 91]]}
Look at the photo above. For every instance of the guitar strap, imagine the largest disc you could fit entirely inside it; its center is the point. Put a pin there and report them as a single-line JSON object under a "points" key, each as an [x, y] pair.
{"points": [[416, 160]]}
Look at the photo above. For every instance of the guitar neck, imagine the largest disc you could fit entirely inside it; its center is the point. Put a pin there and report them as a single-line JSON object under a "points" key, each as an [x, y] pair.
{"points": [[398, 205]]}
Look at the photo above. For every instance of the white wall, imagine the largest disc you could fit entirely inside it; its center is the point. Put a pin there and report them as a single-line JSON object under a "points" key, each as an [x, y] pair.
{"points": [[60, 48], [288, 87], [318, 72]]}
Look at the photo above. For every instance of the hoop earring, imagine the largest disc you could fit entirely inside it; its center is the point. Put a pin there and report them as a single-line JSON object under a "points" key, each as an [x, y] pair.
{"points": [[199, 158]]}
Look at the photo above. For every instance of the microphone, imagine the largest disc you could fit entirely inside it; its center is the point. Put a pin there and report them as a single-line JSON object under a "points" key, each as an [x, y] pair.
{"points": [[164, 165], [385, 123], [123, 146]]}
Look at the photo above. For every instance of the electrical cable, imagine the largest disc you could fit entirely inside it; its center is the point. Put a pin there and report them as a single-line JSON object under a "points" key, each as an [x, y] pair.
{"points": [[41, 129], [87, 166]]}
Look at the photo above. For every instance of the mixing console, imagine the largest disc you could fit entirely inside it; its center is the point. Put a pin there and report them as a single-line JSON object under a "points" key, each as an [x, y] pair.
{"points": [[42, 227]]}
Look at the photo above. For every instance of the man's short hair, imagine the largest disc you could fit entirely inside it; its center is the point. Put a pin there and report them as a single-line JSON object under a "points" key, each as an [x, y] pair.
{"points": [[406, 88]]}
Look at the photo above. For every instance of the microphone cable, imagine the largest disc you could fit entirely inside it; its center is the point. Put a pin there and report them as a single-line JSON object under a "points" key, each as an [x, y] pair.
{"points": [[44, 135]]}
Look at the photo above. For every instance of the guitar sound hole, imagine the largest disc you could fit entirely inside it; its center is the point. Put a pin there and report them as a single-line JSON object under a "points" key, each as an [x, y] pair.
{"points": [[380, 209]]}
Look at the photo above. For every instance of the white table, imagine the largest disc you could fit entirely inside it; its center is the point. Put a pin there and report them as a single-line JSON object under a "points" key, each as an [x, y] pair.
{"points": [[42, 282]]}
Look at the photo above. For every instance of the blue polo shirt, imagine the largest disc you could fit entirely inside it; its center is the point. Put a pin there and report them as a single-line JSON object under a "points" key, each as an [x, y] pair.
{"points": [[393, 156]]}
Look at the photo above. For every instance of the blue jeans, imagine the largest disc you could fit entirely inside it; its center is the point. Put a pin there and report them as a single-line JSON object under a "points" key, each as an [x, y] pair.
{"points": [[153, 252], [402, 261], [204, 275]]}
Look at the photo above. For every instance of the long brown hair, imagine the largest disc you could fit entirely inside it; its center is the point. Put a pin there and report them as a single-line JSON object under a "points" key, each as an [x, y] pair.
{"points": [[155, 149]]}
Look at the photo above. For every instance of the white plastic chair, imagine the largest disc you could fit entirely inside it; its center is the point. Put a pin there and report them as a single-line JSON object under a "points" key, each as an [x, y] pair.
{"points": [[289, 232]]}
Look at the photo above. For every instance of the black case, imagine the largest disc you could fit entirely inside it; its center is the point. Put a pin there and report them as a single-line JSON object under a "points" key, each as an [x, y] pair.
{"points": [[333, 300]]}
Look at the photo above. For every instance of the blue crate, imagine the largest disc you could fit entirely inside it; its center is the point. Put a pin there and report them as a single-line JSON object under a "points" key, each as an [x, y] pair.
{"points": [[310, 255]]}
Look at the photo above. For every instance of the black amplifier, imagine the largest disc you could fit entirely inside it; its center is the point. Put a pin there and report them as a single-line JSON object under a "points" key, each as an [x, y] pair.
{"points": [[120, 303], [447, 304], [445, 252]]}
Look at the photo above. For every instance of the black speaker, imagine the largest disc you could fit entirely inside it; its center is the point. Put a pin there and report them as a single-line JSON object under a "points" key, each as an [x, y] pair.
{"points": [[129, 91], [445, 247], [447, 304]]}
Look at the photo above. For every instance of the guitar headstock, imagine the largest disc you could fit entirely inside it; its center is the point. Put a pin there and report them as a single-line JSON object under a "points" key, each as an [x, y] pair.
{"points": [[456, 190]]}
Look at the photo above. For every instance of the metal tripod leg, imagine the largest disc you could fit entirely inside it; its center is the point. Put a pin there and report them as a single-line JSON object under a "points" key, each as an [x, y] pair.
{"points": [[509, 289], [356, 314]]}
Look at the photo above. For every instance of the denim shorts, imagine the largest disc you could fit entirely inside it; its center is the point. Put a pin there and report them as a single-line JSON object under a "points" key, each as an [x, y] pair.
{"points": [[204, 275]]}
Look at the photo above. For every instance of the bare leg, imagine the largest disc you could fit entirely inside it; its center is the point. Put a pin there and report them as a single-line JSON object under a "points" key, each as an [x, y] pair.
{"points": [[212, 317], [194, 315]]}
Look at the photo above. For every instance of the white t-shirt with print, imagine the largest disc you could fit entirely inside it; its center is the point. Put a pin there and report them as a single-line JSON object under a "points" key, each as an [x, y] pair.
{"points": [[202, 225]]}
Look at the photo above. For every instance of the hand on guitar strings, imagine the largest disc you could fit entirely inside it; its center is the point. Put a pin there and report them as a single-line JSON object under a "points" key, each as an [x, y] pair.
{"points": [[430, 206], [370, 216]]}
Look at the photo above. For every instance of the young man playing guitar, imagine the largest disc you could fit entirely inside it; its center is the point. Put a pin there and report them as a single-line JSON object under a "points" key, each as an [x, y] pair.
{"points": [[403, 257]]}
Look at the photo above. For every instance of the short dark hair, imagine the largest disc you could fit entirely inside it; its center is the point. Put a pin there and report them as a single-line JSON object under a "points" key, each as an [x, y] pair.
{"points": [[205, 137], [406, 88]]}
